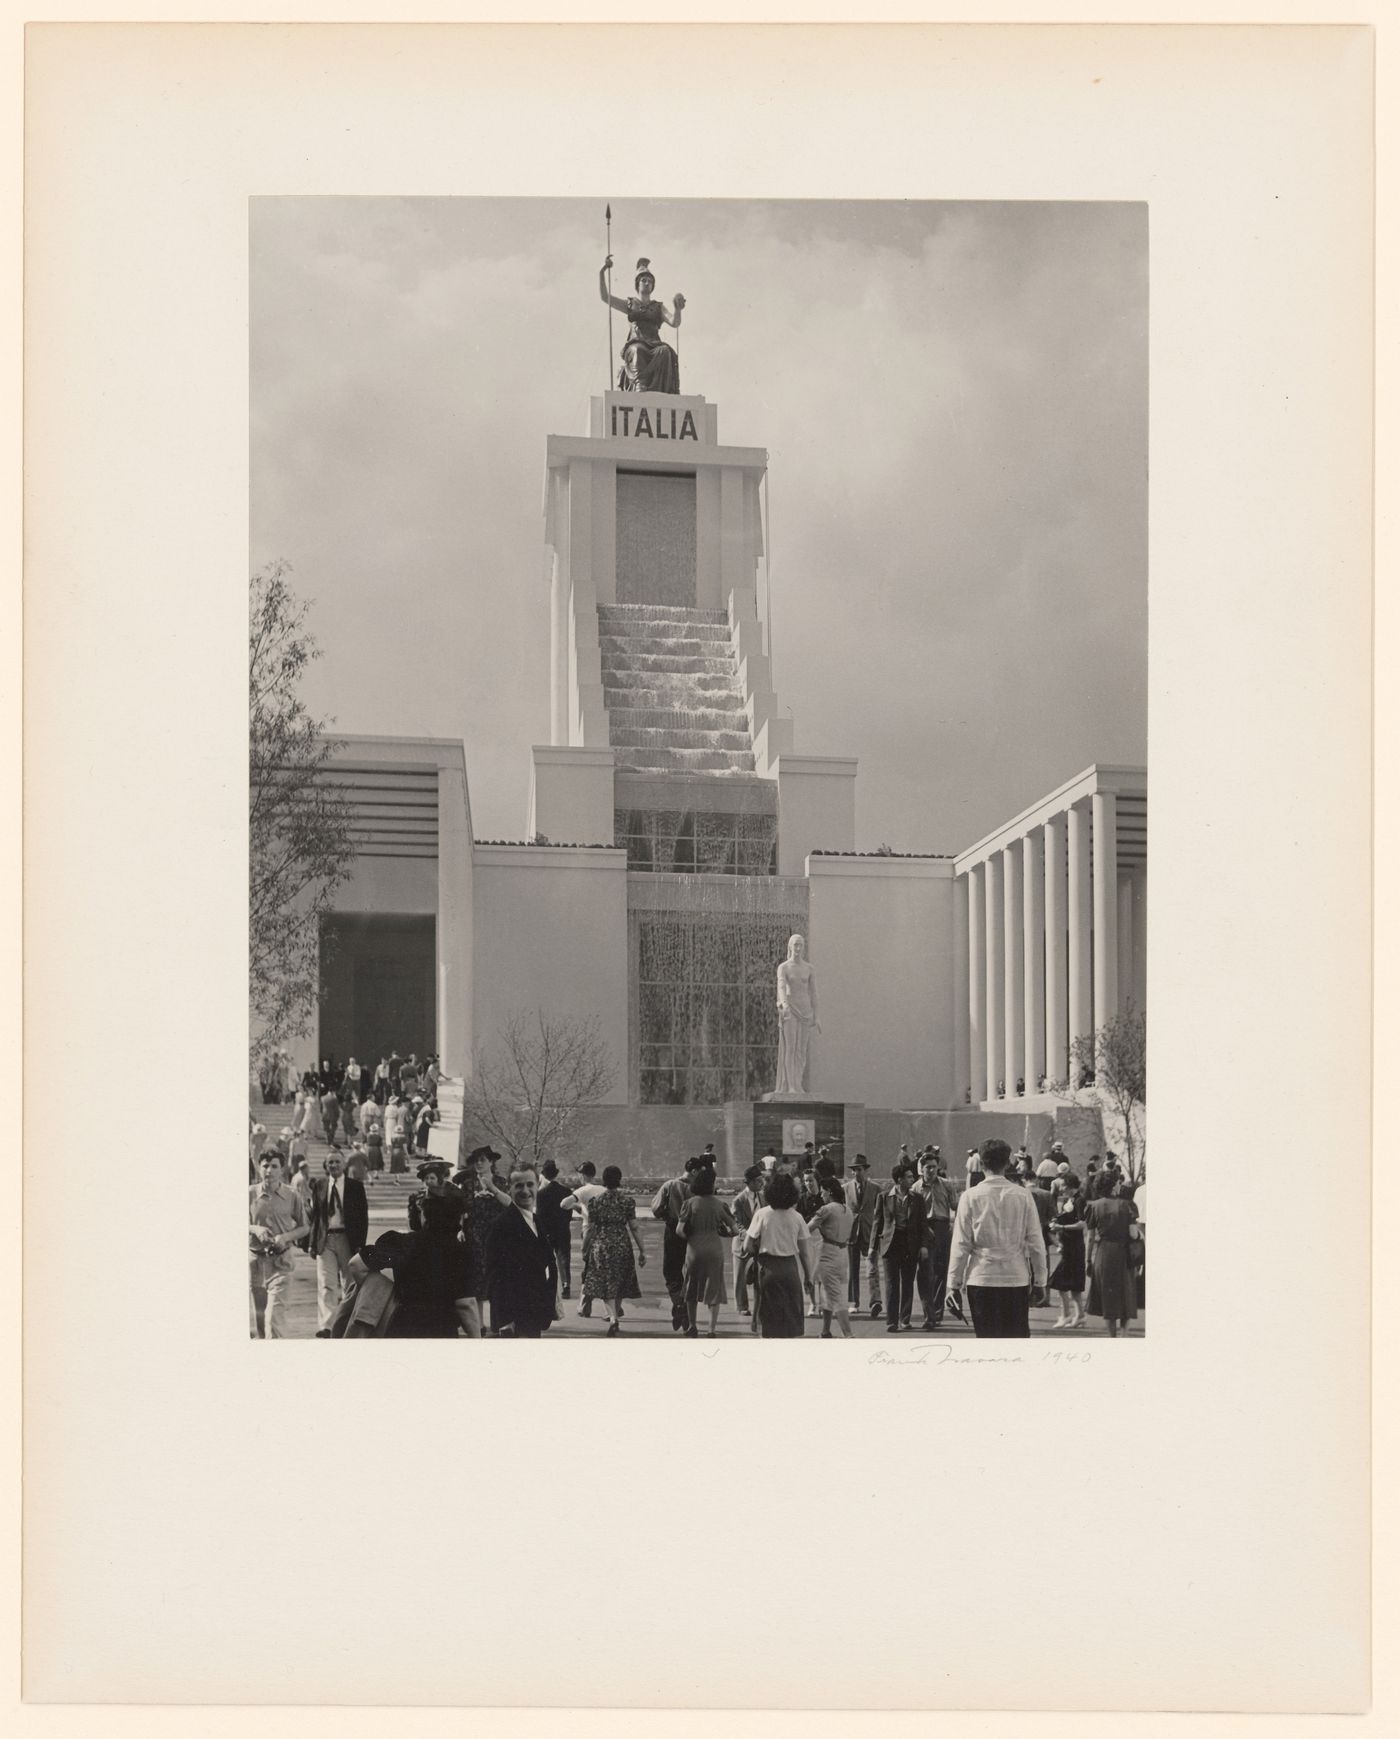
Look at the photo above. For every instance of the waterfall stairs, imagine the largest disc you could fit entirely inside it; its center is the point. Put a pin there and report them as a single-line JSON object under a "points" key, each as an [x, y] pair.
{"points": [[671, 689]]}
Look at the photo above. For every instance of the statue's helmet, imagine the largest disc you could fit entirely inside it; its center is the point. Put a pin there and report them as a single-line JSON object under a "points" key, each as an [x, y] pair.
{"points": [[644, 271]]}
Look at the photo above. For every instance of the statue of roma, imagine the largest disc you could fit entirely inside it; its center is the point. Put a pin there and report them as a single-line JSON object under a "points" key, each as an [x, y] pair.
{"points": [[648, 363], [797, 1017]]}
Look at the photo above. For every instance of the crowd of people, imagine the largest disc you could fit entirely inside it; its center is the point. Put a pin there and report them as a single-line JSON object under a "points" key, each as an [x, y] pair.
{"points": [[492, 1254], [380, 1116]]}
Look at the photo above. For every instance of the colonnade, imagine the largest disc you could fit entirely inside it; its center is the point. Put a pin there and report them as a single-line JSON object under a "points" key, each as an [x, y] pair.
{"points": [[1051, 944]]}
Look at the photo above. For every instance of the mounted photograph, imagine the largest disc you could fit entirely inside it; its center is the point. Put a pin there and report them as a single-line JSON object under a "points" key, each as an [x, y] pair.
{"points": [[697, 769]]}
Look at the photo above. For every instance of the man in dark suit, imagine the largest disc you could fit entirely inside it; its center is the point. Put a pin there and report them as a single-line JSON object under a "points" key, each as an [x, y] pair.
{"points": [[339, 1230], [556, 1220], [940, 1204], [521, 1274], [861, 1196], [898, 1234]]}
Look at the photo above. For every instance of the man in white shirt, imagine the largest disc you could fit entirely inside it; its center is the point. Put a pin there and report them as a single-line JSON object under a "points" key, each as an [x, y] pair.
{"points": [[998, 1251], [276, 1221]]}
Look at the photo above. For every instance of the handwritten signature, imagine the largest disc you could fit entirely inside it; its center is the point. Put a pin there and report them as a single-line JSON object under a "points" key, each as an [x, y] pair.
{"points": [[945, 1353]]}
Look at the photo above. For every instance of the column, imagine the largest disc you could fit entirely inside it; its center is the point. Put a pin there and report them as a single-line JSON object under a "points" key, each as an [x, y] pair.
{"points": [[584, 672], [1056, 953], [977, 980], [1033, 950], [455, 989], [1081, 1014], [961, 1001], [559, 653], [996, 975], [1125, 942], [1105, 851], [1014, 993], [1139, 980]]}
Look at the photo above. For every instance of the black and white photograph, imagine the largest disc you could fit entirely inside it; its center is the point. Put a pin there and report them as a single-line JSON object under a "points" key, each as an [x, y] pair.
{"points": [[698, 768], [597, 602]]}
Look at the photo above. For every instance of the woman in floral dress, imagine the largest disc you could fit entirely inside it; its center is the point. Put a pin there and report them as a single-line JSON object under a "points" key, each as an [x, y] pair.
{"points": [[611, 1272]]}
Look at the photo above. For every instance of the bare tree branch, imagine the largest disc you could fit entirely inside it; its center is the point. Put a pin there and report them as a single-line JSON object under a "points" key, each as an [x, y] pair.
{"points": [[527, 1088], [1111, 1066]]}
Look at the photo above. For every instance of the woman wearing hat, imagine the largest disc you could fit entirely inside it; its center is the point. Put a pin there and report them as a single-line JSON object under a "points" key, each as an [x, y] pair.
{"points": [[372, 1134], [435, 1282], [648, 362]]}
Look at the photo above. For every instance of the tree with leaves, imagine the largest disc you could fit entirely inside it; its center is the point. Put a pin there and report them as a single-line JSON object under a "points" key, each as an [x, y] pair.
{"points": [[1115, 1059], [299, 841], [527, 1089]]}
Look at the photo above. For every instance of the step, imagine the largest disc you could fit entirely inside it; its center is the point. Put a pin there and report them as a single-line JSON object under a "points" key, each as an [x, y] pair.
{"points": [[673, 737], [666, 663], [674, 682], [659, 613], [621, 699], [686, 760], [660, 718], [668, 634]]}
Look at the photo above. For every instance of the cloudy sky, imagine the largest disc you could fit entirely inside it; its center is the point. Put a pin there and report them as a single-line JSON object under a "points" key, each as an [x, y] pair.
{"points": [[954, 402]]}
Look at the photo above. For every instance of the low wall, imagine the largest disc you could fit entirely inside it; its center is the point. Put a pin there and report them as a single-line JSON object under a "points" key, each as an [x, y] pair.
{"points": [[645, 1140], [656, 1140], [1077, 1126]]}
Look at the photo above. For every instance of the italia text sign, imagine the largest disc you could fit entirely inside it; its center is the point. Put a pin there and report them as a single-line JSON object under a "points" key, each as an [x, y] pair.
{"points": [[652, 423]]}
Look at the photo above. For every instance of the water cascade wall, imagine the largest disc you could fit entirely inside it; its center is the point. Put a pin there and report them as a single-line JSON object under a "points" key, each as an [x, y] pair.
{"points": [[671, 690], [703, 954]]}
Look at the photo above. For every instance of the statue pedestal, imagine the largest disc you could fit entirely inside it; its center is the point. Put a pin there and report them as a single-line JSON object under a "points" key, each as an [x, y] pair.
{"points": [[786, 1122]]}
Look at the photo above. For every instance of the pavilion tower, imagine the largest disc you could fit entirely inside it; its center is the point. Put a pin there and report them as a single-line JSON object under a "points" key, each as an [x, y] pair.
{"points": [[667, 740]]}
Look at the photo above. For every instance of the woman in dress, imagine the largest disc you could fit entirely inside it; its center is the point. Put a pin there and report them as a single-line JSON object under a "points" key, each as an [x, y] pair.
{"points": [[705, 1222], [1112, 1288], [486, 1201], [779, 1239], [1067, 1276], [831, 1227], [372, 1134], [648, 362], [615, 1250], [396, 1134], [434, 1268]]}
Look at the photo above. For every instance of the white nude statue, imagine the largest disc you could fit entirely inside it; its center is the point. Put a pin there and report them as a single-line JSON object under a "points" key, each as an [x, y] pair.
{"points": [[797, 1017]]}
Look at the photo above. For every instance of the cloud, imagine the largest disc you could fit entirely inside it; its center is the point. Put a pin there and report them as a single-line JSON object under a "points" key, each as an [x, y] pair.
{"points": [[954, 402]]}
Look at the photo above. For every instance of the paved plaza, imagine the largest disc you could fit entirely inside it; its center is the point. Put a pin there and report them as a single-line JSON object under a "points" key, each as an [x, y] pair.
{"points": [[650, 1316]]}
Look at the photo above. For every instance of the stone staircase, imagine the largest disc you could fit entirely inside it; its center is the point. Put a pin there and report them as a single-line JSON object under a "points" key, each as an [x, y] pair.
{"points": [[388, 1191], [671, 690]]}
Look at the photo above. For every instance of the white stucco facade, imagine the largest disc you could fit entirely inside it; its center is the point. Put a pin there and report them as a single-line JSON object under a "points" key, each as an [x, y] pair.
{"points": [[1052, 911], [671, 798]]}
